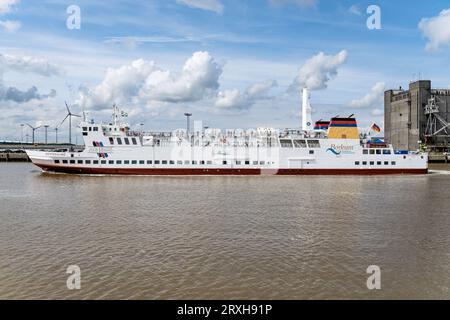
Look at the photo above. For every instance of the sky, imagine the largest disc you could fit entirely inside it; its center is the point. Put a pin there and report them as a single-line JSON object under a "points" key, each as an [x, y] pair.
{"points": [[231, 63]]}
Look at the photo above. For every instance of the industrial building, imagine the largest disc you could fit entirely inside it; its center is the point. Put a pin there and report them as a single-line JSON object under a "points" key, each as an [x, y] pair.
{"points": [[418, 116]]}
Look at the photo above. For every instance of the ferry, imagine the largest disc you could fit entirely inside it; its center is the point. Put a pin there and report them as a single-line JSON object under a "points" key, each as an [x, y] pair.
{"points": [[334, 147]]}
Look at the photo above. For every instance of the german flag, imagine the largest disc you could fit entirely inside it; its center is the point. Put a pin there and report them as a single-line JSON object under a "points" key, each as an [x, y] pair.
{"points": [[376, 128]]}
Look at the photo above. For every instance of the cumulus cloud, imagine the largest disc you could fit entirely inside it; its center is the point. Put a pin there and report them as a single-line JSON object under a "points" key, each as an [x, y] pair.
{"points": [[143, 82], [18, 96], [436, 30], [25, 65], [318, 70], [302, 3], [236, 100], [371, 100], [209, 5], [377, 112], [28, 64], [7, 5], [10, 25]]}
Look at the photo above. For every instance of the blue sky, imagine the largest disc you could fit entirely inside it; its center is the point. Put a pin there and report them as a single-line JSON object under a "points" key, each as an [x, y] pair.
{"points": [[248, 70]]}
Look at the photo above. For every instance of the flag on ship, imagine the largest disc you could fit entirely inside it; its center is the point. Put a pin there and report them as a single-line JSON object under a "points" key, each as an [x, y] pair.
{"points": [[375, 128]]}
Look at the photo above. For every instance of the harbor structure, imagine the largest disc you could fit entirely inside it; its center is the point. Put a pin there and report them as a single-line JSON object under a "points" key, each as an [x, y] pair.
{"points": [[419, 116]]}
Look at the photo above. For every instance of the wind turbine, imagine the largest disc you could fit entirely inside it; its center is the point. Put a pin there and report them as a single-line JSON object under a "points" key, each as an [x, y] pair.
{"points": [[33, 129], [69, 115]]}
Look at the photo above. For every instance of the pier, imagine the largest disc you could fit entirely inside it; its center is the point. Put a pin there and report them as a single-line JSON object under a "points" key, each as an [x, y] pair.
{"points": [[14, 152]]}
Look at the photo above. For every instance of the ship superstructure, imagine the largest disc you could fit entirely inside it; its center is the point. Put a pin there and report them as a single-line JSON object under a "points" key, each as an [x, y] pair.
{"points": [[328, 147]]}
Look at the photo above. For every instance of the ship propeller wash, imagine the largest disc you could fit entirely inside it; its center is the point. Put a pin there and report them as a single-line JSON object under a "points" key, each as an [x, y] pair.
{"points": [[333, 147]]}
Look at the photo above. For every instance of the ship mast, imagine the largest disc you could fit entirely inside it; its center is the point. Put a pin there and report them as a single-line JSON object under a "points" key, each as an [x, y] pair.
{"points": [[306, 111]]}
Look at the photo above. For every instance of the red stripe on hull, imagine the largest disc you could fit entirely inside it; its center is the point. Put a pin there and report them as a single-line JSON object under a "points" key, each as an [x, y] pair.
{"points": [[228, 171]]}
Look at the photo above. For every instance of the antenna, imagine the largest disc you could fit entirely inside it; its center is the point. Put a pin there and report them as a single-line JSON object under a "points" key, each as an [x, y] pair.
{"points": [[69, 115], [306, 111]]}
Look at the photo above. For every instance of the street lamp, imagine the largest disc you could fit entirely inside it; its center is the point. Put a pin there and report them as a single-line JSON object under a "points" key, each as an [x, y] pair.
{"points": [[21, 136], [46, 128], [188, 115], [56, 135]]}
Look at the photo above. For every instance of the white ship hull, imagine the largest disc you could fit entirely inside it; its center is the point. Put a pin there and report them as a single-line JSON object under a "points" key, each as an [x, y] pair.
{"points": [[331, 157]]}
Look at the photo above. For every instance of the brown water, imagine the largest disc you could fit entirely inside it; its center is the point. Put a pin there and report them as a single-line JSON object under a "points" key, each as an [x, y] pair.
{"points": [[223, 237]]}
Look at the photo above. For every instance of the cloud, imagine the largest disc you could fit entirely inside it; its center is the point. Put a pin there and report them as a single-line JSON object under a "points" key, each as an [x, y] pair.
{"points": [[377, 112], [28, 64], [16, 95], [10, 25], [436, 30], [318, 70], [354, 9], [143, 82], [371, 100], [209, 5], [6, 5], [301, 3], [236, 100]]}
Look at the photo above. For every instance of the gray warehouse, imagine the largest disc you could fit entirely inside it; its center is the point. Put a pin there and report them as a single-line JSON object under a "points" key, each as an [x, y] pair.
{"points": [[418, 115]]}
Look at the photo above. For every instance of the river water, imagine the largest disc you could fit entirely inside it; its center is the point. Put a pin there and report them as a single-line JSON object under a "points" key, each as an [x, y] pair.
{"points": [[267, 237]]}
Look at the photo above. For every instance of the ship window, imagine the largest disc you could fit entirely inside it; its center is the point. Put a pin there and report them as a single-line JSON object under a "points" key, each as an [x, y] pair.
{"points": [[72, 161], [95, 128], [364, 163], [194, 162], [209, 162], [393, 163], [255, 163], [142, 162], [88, 161], [134, 140], [247, 162], [286, 143], [80, 161], [90, 128], [372, 163], [156, 161], [127, 141], [378, 163], [119, 141], [84, 128], [224, 162], [372, 151], [103, 161], [386, 151], [85, 133], [262, 163], [111, 141], [126, 162], [300, 143], [365, 151], [164, 162], [171, 162], [311, 151], [356, 163], [238, 163], [149, 161], [187, 162], [404, 157], [111, 161], [95, 161], [314, 143], [179, 162], [386, 163], [378, 151], [202, 162], [119, 162], [133, 161]]}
